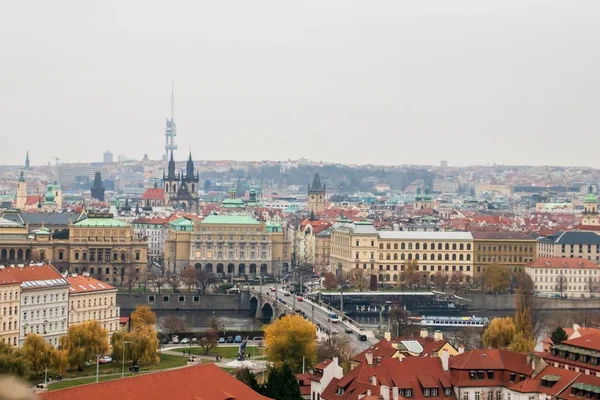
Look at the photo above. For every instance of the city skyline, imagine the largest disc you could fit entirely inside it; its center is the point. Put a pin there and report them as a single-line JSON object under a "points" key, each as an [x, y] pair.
{"points": [[391, 84]]}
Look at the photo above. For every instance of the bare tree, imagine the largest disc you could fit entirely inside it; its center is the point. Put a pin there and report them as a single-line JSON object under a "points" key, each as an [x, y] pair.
{"points": [[592, 285], [159, 278], [209, 340], [172, 324], [188, 278], [561, 284], [336, 346], [174, 281], [130, 276], [440, 279], [204, 279], [399, 321], [469, 338]]}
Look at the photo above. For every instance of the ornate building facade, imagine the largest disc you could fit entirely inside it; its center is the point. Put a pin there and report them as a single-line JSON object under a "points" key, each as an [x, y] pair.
{"points": [[316, 196]]}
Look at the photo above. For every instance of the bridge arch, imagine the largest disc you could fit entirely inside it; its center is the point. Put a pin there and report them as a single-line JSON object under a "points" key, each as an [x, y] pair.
{"points": [[267, 310]]}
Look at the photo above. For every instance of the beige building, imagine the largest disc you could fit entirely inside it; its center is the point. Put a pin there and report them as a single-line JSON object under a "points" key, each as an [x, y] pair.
{"points": [[571, 244], [564, 277], [236, 245], [93, 300], [385, 254], [100, 245], [512, 250], [9, 308], [323, 251]]}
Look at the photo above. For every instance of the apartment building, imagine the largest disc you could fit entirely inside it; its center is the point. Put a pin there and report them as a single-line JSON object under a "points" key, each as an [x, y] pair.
{"points": [[43, 300], [564, 277], [93, 300], [572, 244], [154, 232], [9, 307], [385, 254], [512, 250]]}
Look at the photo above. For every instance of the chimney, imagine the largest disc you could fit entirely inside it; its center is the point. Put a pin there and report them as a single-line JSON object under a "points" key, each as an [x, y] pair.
{"points": [[438, 335], [394, 393], [445, 358], [461, 349], [387, 335], [424, 333], [374, 380], [335, 361], [378, 360], [384, 391], [368, 392], [369, 357], [576, 327]]}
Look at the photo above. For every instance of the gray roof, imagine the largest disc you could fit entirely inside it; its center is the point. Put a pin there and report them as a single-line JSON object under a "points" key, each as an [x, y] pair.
{"points": [[420, 235], [412, 346], [572, 237], [6, 223], [50, 218], [357, 228]]}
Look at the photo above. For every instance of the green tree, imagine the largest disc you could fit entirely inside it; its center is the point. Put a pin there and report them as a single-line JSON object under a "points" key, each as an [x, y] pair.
{"points": [[558, 335], [282, 384], [37, 354], [12, 361], [290, 339], [522, 343], [83, 342], [247, 377], [499, 333]]}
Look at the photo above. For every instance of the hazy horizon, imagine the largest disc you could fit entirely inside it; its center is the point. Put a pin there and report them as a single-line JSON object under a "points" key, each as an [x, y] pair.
{"points": [[381, 83]]}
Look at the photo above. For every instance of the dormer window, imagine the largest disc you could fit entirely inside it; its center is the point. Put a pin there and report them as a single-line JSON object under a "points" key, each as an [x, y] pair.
{"points": [[480, 375], [490, 374], [513, 376], [340, 390], [434, 392], [472, 375], [407, 392], [446, 391]]}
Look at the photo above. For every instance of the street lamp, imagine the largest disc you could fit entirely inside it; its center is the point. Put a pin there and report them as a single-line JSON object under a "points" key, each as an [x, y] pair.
{"points": [[97, 366], [123, 370]]}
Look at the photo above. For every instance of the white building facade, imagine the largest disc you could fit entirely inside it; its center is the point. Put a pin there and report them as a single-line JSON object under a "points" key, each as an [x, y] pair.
{"points": [[564, 277]]}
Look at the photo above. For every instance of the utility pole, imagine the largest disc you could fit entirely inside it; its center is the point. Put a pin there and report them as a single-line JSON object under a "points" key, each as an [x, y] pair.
{"points": [[97, 366]]}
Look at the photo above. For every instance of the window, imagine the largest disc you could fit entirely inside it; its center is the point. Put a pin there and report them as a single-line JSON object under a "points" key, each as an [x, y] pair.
{"points": [[490, 374], [465, 394], [181, 298], [408, 393], [513, 376], [472, 375], [477, 396], [480, 375], [165, 298], [434, 392], [196, 298], [426, 392], [447, 392]]}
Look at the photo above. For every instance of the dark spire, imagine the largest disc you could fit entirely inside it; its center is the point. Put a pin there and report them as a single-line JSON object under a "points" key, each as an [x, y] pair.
{"points": [[27, 160], [316, 186], [171, 168], [190, 168], [97, 190]]}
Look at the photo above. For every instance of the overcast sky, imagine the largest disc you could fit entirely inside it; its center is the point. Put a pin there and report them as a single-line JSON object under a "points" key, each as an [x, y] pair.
{"points": [[381, 82]]}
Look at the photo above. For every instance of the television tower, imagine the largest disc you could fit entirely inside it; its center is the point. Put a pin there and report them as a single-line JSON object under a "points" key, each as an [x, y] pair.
{"points": [[171, 128]]}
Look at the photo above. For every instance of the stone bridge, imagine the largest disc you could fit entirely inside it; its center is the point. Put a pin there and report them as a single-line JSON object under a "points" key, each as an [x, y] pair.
{"points": [[264, 305]]}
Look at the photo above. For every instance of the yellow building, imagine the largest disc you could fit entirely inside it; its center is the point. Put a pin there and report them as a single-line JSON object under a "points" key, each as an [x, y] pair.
{"points": [[513, 250], [385, 254], [9, 312], [236, 245], [93, 300], [99, 245]]}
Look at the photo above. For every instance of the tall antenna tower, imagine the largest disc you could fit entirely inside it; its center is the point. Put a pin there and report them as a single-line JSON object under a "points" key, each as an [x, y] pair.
{"points": [[171, 128]]}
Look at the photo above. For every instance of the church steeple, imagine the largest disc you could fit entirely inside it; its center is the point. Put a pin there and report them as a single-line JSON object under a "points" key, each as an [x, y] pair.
{"points": [[27, 160], [171, 168], [190, 168]]}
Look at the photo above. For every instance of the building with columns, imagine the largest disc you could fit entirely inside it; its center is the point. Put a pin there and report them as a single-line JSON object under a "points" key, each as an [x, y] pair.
{"points": [[226, 245]]}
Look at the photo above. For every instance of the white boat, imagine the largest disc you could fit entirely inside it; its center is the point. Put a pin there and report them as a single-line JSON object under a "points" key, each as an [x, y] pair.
{"points": [[459, 322]]}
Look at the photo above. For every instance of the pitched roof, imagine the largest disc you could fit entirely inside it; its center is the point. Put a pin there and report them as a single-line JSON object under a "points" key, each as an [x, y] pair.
{"points": [[572, 237], [486, 235], [491, 359], [85, 284], [589, 341], [563, 262], [204, 381], [154, 194], [32, 276], [383, 349]]}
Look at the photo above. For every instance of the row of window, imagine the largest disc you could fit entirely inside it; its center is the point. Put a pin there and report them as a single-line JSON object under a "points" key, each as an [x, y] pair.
{"points": [[99, 255], [165, 298], [506, 248], [45, 328], [9, 341], [504, 259], [44, 299], [422, 267], [538, 271], [87, 316], [432, 256], [10, 295], [418, 246], [51, 312], [562, 279], [9, 311], [97, 301]]}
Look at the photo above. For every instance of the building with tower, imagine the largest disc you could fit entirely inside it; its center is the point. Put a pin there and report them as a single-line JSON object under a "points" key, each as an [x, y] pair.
{"points": [[316, 196], [423, 202], [97, 190], [181, 190], [590, 209], [21, 192]]}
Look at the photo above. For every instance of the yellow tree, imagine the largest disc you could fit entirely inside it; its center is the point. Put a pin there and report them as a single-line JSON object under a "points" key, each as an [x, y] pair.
{"points": [[289, 339], [411, 275], [497, 277], [500, 333], [522, 343], [142, 315], [60, 360], [84, 341], [37, 354]]}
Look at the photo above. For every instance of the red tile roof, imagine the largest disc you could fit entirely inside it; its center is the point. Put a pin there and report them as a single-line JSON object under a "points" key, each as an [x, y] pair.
{"points": [[383, 349], [85, 284], [16, 274], [591, 341], [154, 194], [200, 382], [502, 362], [33, 200], [563, 262]]}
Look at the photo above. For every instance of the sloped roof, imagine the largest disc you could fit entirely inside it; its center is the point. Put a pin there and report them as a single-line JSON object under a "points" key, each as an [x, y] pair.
{"points": [[154, 194], [230, 219], [85, 284]]}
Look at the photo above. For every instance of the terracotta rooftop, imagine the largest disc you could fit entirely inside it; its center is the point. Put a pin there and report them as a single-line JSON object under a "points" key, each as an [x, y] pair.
{"points": [[39, 275], [563, 262], [154, 194], [199, 382], [85, 284]]}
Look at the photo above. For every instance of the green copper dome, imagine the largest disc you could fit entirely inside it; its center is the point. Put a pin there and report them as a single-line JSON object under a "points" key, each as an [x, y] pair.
{"points": [[590, 197], [49, 195]]}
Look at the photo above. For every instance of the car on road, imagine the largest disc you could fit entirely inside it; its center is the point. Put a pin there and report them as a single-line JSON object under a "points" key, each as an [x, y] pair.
{"points": [[300, 298], [184, 341], [349, 330], [332, 317], [105, 360], [238, 339], [334, 331], [272, 289], [229, 339], [175, 339], [362, 338], [221, 340], [194, 340]]}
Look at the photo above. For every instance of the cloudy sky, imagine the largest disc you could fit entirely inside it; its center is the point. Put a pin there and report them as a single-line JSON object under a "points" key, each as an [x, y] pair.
{"points": [[382, 82]]}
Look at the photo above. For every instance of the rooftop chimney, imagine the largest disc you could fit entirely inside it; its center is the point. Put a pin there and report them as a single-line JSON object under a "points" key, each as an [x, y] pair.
{"points": [[384, 391], [368, 392], [394, 393], [424, 333], [369, 357], [378, 360], [445, 358], [387, 335], [461, 349], [374, 380], [438, 335]]}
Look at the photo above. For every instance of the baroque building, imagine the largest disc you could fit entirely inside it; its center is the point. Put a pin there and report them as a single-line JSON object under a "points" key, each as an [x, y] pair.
{"points": [[181, 190]]}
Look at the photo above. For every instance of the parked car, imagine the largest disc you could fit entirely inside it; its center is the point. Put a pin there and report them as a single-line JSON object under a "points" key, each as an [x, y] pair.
{"points": [[238, 339], [229, 339], [185, 340], [300, 298], [194, 340], [349, 330], [105, 360], [362, 338], [175, 339], [221, 340]]}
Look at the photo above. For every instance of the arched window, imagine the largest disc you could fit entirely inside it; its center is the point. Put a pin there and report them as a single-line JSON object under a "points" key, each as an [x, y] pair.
{"points": [[424, 246], [402, 246], [439, 246], [462, 246], [417, 246], [446, 257], [381, 256], [468, 246], [425, 256], [410, 246], [107, 271], [453, 246], [92, 271], [440, 256], [410, 256], [388, 256], [460, 257], [417, 256], [395, 246], [447, 246], [402, 256], [453, 257], [468, 257], [395, 256]]}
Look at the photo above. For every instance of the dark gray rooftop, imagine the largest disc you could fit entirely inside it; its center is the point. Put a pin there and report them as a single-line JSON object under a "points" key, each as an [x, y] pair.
{"points": [[572, 237]]}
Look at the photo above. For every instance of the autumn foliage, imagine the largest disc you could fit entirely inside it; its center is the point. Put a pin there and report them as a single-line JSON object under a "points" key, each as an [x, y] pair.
{"points": [[289, 339]]}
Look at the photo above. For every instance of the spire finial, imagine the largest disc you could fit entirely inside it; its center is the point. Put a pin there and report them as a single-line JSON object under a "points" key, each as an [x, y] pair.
{"points": [[172, 100]]}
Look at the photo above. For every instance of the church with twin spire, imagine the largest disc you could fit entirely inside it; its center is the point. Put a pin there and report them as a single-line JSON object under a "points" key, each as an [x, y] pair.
{"points": [[181, 189]]}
